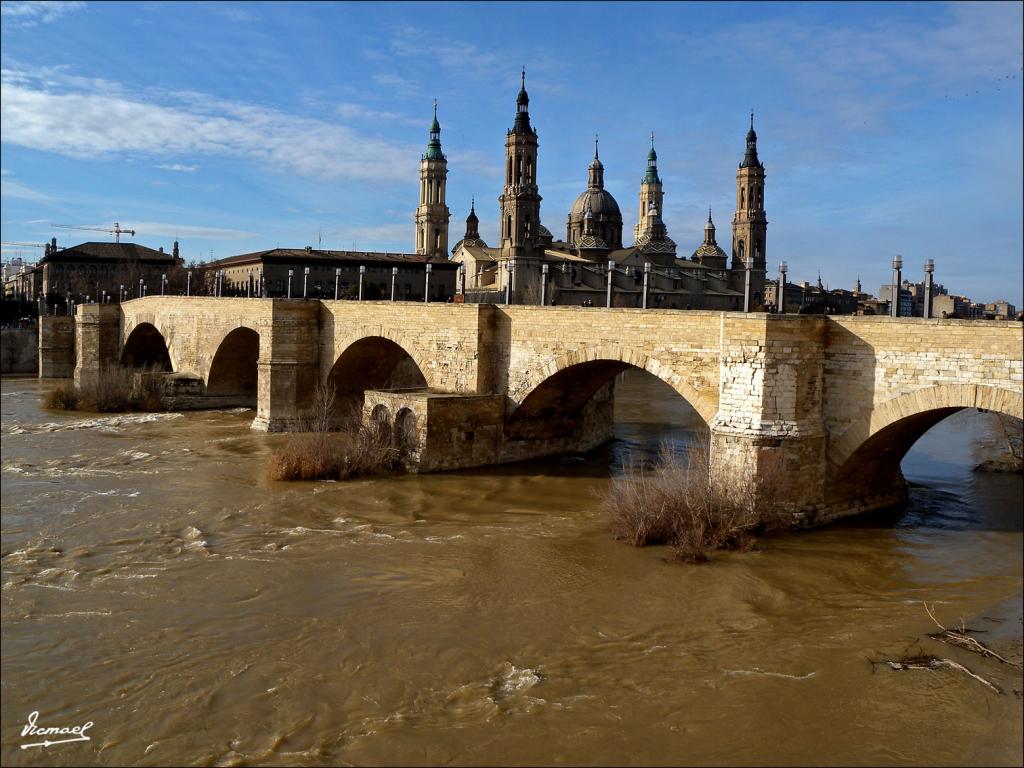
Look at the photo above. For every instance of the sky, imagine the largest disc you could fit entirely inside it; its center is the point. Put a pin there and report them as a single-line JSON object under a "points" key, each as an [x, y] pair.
{"points": [[884, 128]]}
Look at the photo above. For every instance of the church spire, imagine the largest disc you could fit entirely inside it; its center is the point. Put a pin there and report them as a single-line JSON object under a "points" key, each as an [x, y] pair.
{"points": [[595, 171], [522, 123], [709, 231], [652, 165], [434, 144], [750, 156]]}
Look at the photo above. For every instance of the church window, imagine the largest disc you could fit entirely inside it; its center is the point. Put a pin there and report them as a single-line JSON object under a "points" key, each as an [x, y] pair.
{"points": [[739, 250], [742, 199], [508, 176], [508, 228]]}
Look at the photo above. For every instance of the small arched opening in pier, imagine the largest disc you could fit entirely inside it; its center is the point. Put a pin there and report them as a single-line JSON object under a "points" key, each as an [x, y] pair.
{"points": [[372, 362], [235, 372], [380, 422], [405, 433], [146, 348]]}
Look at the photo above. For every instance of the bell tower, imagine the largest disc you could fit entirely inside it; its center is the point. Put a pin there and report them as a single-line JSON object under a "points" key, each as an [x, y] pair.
{"points": [[432, 215], [749, 225], [520, 207], [651, 194]]}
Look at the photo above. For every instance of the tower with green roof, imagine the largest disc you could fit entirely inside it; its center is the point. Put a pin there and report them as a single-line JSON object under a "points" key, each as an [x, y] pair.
{"points": [[432, 214], [651, 195]]}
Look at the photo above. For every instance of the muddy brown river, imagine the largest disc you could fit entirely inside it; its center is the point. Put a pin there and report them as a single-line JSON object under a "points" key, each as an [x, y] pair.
{"points": [[157, 585]]}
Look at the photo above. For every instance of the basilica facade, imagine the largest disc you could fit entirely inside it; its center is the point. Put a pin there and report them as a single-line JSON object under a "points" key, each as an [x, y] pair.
{"points": [[529, 264]]}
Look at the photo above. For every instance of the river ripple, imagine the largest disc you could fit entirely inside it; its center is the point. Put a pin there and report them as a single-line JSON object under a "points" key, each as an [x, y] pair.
{"points": [[156, 583]]}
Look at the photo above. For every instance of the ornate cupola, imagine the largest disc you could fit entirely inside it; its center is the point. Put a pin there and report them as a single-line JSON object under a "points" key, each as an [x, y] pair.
{"points": [[750, 156], [522, 122], [595, 171], [432, 214], [472, 236], [651, 177], [710, 254]]}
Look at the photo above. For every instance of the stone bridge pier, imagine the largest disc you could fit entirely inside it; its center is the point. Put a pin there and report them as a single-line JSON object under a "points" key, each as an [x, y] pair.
{"points": [[815, 411]]}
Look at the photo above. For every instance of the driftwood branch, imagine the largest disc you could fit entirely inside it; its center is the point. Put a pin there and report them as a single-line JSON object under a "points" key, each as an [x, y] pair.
{"points": [[960, 639]]}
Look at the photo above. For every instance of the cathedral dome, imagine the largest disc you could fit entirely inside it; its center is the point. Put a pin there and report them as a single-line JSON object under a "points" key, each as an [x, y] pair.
{"points": [[601, 204]]}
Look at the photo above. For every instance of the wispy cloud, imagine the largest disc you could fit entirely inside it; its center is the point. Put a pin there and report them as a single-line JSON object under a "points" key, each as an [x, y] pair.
{"points": [[83, 119], [397, 82], [29, 13], [178, 167], [10, 188], [351, 111]]}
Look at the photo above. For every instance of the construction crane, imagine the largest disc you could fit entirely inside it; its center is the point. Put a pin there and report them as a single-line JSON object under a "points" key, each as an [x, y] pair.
{"points": [[116, 231], [25, 245]]}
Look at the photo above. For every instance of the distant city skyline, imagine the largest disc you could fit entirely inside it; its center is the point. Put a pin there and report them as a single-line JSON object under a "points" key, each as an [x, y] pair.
{"points": [[884, 128]]}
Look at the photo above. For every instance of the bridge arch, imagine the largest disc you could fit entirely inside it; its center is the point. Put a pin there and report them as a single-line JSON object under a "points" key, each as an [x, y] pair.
{"points": [[234, 370], [146, 346], [892, 427], [372, 362], [586, 371]]}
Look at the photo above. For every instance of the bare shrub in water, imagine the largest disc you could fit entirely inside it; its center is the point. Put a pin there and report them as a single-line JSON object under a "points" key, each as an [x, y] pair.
{"points": [[677, 503], [63, 397], [116, 388], [317, 453]]}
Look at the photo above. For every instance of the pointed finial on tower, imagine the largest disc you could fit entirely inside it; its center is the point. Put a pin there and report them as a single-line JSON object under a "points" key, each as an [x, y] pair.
{"points": [[472, 204], [652, 139], [751, 119], [709, 216], [595, 146], [435, 108], [523, 81]]}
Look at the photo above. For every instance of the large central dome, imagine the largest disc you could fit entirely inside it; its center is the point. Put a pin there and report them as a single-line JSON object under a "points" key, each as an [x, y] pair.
{"points": [[595, 211], [601, 203]]}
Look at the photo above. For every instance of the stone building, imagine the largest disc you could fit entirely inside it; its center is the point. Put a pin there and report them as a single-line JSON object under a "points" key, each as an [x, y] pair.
{"points": [[92, 269], [529, 262], [266, 273]]}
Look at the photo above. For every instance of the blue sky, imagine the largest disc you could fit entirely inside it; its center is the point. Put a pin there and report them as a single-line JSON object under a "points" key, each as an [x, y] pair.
{"points": [[884, 128]]}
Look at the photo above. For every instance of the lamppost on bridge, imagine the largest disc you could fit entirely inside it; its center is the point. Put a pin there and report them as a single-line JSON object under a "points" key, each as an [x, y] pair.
{"points": [[291, 272], [929, 269], [897, 268], [120, 293], [462, 280], [426, 285], [611, 274], [140, 289], [647, 281], [248, 285], [337, 281], [508, 283], [305, 280], [746, 286], [394, 283], [362, 274], [163, 284], [543, 284], [781, 299], [188, 283]]}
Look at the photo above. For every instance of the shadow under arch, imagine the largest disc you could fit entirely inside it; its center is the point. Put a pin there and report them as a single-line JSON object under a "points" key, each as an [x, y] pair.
{"points": [[372, 362], [234, 371], [616, 360], [865, 460], [146, 347], [577, 399]]}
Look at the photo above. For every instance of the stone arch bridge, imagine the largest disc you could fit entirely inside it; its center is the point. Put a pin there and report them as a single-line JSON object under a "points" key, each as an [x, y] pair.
{"points": [[829, 404]]}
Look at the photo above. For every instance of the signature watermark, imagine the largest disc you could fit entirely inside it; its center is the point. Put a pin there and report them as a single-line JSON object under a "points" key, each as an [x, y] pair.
{"points": [[75, 733]]}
